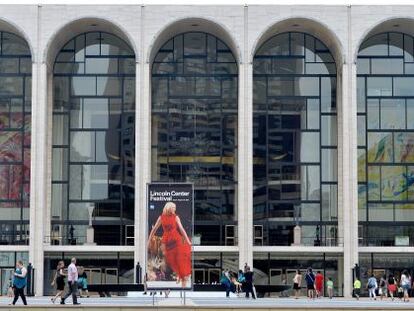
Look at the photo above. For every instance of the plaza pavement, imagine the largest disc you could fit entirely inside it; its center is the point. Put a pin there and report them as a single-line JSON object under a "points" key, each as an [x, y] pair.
{"points": [[208, 301]]}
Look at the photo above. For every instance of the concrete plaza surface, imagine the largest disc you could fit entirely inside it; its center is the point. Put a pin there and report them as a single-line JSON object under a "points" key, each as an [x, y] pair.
{"points": [[208, 302]]}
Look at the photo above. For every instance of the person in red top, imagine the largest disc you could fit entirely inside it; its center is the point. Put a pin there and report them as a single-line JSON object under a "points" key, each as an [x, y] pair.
{"points": [[319, 284], [175, 244]]}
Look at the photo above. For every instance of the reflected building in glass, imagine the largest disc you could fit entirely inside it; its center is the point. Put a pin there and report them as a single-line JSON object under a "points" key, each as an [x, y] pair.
{"points": [[287, 119]]}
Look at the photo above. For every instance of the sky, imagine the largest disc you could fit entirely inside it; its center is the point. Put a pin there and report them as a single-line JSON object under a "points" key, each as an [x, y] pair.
{"points": [[215, 2]]}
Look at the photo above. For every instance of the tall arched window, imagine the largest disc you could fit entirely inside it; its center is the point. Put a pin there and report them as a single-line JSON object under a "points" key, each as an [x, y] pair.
{"points": [[386, 138], [15, 137], [294, 141], [194, 127], [93, 139]]}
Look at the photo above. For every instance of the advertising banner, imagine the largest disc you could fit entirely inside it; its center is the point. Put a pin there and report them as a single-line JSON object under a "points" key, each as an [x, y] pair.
{"points": [[170, 230]]}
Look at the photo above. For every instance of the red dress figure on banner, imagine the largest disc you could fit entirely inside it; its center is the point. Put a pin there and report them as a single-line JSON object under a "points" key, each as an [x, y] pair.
{"points": [[175, 244]]}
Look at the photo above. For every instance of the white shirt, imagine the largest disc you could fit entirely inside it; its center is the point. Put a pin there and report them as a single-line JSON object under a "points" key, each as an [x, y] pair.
{"points": [[72, 272]]}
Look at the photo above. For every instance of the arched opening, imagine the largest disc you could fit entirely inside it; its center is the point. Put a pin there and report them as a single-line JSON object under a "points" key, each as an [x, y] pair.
{"points": [[295, 141], [385, 112], [15, 138], [194, 127], [93, 140]]}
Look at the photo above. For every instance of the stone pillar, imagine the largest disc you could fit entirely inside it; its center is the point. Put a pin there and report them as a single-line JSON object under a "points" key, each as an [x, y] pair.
{"points": [[143, 163], [39, 170], [245, 165], [349, 193]]}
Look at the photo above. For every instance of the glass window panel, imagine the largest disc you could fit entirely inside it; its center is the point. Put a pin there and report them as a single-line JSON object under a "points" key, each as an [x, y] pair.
{"points": [[375, 46], [59, 164], [195, 43], [403, 86], [392, 113], [380, 212], [309, 147], [396, 44], [362, 159], [393, 183], [313, 113], [288, 66], [361, 130], [404, 212], [361, 94], [329, 164], [329, 130], [362, 202], [14, 45], [373, 114], [410, 114], [182, 86], [80, 48], [363, 66], [82, 146], [380, 149], [101, 65], [410, 183], [329, 202], [112, 45], [277, 45], [374, 183], [310, 211], [313, 182], [297, 43], [9, 65], [11, 86], [83, 86], [109, 86], [408, 49], [95, 113], [93, 40], [404, 147], [328, 94], [379, 86], [301, 86], [94, 182], [387, 66]]}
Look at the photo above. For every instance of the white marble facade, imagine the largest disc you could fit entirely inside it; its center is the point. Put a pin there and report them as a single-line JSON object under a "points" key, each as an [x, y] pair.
{"points": [[243, 28]]}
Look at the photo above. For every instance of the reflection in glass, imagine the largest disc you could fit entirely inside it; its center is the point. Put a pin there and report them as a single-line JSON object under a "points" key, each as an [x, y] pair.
{"points": [[15, 131], [93, 139], [194, 126], [387, 122], [295, 139]]}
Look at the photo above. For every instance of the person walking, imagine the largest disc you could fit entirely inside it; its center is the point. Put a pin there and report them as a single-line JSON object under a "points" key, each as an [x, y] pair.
{"points": [[372, 285], [73, 283], [406, 284], [19, 282], [226, 282], [382, 291], [330, 287], [319, 284], [392, 287], [310, 283], [357, 288], [59, 280], [297, 282], [248, 275]]}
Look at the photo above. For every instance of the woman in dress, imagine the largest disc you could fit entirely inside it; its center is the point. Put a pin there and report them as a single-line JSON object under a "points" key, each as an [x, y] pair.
{"points": [[59, 280], [175, 244]]}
